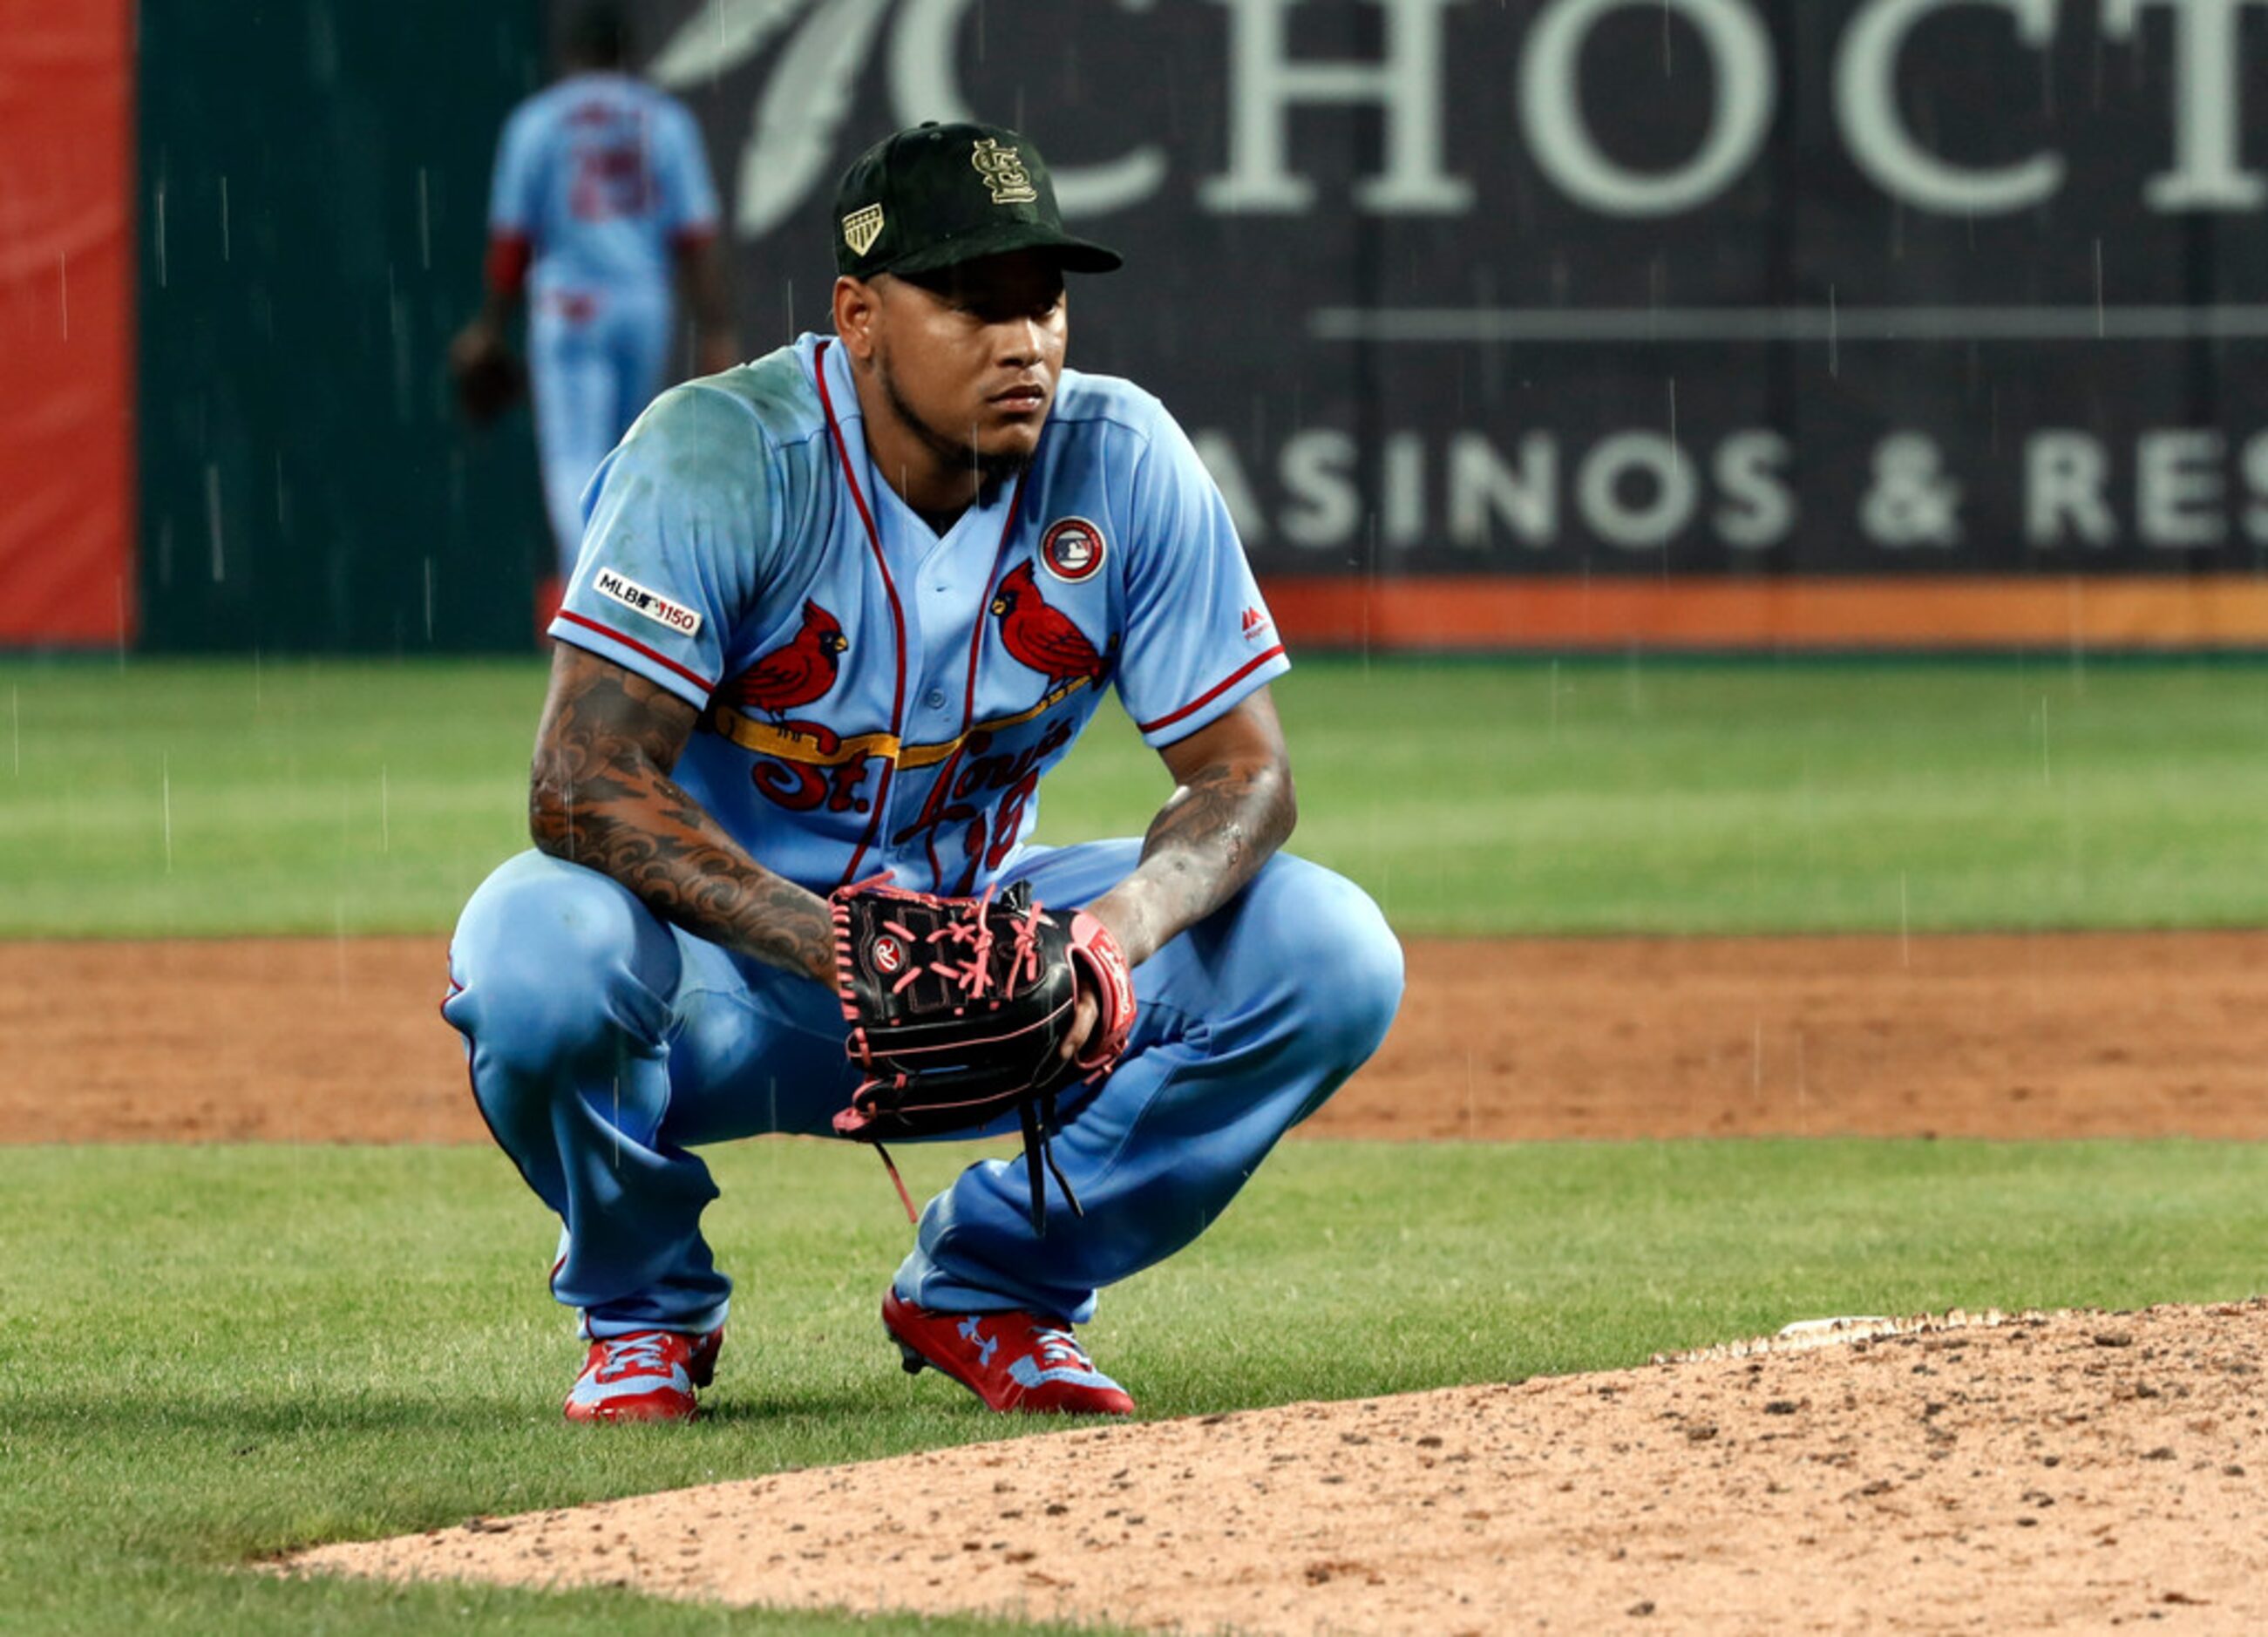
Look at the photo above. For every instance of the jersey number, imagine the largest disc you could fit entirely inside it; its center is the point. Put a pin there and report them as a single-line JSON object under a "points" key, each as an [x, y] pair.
{"points": [[611, 180]]}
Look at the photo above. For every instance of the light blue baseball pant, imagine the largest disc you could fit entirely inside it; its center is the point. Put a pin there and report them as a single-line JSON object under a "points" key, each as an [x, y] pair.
{"points": [[594, 361], [605, 1045]]}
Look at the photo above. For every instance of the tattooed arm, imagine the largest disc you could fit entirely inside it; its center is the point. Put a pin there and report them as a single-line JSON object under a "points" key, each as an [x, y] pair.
{"points": [[601, 796], [1233, 807]]}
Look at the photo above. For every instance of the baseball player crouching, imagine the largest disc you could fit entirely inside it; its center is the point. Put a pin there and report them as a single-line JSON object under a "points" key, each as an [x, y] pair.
{"points": [[836, 613]]}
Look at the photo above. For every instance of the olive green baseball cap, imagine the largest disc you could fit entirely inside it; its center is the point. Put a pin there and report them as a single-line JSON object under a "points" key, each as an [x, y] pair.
{"points": [[936, 196]]}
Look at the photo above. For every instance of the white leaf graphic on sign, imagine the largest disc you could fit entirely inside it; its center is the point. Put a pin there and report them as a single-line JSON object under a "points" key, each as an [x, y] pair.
{"points": [[792, 148], [718, 38], [794, 144]]}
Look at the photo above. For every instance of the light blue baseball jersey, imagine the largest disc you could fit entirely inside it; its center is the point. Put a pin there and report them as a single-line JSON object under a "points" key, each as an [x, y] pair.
{"points": [[874, 696], [601, 174]]}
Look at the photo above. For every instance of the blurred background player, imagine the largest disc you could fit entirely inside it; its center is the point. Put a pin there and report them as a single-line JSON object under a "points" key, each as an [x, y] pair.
{"points": [[601, 200]]}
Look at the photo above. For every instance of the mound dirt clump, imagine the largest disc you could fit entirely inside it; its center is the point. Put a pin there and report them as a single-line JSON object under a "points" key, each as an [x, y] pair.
{"points": [[2000, 1473]]}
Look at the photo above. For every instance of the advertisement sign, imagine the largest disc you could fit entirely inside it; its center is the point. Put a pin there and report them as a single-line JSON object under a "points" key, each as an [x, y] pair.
{"points": [[1744, 290]]}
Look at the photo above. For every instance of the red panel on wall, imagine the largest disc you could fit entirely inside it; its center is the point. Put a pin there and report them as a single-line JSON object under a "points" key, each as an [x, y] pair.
{"points": [[66, 324]]}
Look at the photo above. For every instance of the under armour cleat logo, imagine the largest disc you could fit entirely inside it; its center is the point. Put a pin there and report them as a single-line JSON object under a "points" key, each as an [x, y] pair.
{"points": [[986, 1346]]}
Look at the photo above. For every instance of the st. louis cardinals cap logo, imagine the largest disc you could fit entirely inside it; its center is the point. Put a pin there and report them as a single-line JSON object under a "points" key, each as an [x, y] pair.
{"points": [[1071, 549], [1002, 167]]}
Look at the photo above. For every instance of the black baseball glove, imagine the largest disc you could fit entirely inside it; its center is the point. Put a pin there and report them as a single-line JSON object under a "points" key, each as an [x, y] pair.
{"points": [[488, 378], [959, 1009]]}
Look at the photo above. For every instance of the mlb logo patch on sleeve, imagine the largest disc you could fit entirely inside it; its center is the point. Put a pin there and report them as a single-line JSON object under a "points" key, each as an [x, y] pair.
{"points": [[653, 604]]}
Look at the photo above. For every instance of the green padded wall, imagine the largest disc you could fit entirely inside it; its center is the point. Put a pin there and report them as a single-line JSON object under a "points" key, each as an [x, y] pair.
{"points": [[312, 189]]}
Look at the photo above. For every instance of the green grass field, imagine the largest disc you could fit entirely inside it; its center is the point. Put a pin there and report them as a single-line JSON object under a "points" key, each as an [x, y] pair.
{"points": [[180, 799], [215, 1353]]}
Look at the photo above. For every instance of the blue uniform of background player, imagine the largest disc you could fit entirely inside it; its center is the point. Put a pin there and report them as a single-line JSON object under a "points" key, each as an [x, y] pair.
{"points": [[814, 635], [601, 199]]}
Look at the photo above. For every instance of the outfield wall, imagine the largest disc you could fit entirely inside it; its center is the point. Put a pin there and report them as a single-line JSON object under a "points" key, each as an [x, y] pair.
{"points": [[66, 330], [1577, 323], [312, 189], [1556, 324]]}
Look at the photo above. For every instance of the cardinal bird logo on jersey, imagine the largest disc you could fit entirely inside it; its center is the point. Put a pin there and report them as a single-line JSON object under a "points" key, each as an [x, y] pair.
{"points": [[1041, 637], [799, 671]]}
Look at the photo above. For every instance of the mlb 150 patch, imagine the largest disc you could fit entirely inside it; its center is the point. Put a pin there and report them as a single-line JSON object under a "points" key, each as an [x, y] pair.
{"points": [[653, 604]]}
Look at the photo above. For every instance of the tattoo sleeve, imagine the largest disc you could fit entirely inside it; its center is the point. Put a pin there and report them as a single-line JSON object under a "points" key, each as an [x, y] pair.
{"points": [[1212, 837], [1233, 808], [600, 795]]}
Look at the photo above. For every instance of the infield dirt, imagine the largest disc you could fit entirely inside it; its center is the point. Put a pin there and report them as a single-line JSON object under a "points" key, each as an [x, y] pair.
{"points": [[2092, 1035], [2049, 1473]]}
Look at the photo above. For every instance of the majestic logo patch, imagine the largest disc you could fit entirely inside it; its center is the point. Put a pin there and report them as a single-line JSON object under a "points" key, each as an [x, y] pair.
{"points": [[653, 604], [1004, 173], [861, 228], [1072, 550], [1256, 625]]}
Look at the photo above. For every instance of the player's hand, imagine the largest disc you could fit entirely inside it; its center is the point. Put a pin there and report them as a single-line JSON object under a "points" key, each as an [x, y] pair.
{"points": [[470, 346], [1102, 1013], [487, 379], [1084, 1011]]}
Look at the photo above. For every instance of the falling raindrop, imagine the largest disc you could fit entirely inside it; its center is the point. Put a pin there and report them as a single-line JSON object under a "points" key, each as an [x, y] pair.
{"points": [[224, 217], [15, 721], [385, 810], [62, 276], [2099, 319], [1833, 336], [424, 223], [161, 233], [212, 519], [165, 800]]}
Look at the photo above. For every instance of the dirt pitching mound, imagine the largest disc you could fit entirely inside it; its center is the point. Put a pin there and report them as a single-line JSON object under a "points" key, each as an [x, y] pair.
{"points": [[1991, 1473]]}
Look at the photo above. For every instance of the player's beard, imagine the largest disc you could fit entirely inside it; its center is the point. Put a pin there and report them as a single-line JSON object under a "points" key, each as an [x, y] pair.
{"points": [[959, 452]]}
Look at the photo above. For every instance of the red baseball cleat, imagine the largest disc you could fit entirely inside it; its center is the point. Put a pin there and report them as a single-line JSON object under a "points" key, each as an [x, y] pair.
{"points": [[647, 1376], [1012, 1360]]}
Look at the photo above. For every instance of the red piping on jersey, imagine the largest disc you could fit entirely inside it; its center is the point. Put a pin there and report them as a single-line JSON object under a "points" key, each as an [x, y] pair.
{"points": [[1214, 692], [977, 636], [632, 643], [508, 254], [976, 659], [897, 612]]}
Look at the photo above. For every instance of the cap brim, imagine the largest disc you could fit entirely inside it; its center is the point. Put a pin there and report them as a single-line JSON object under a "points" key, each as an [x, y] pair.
{"points": [[1073, 256]]}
